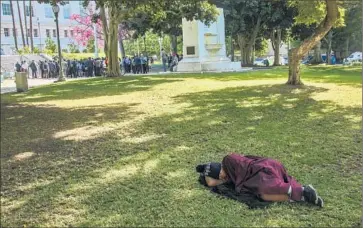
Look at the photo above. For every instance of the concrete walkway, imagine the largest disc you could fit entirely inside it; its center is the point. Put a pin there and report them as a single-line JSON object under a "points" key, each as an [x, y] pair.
{"points": [[8, 85]]}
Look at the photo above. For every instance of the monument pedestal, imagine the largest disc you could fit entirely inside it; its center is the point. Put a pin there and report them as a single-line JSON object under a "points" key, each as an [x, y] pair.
{"points": [[204, 47], [196, 65]]}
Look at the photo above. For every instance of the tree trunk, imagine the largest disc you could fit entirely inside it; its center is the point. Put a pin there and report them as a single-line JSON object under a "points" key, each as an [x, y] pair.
{"points": [[14, 28], [31, 26], [173, 43], [294, 67], [320, 32], [328, 51], [105, 29], [26, 25], [232, 49], [346, 48], [252, 41], [248, 52], [122, 47], [241, 44], [276, 41], [21, 23], [253, 54], [317, 54], [113, 68]]}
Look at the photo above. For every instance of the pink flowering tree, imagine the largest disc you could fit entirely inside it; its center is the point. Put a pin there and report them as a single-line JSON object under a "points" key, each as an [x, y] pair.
{"points": [[83, 28]]}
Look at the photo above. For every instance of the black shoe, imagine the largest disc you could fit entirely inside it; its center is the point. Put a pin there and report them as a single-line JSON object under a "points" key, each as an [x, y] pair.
{"points": [[310, 195], [320, 202]]}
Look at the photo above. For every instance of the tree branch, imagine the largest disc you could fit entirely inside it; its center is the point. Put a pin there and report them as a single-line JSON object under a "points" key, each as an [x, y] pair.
{"points": [[321, 30]]}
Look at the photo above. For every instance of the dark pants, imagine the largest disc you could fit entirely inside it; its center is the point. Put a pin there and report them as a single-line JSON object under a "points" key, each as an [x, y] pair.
{"points": [[138, 69], [34, 73], [164, 65], [90, 72], [97, 71]]}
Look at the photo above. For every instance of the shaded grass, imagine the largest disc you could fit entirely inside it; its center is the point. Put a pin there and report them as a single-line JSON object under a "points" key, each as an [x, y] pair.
{"points": [[122, 152]]}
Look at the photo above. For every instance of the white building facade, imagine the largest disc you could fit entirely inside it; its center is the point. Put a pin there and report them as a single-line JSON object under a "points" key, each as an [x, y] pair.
{"points": [[43, 24]]}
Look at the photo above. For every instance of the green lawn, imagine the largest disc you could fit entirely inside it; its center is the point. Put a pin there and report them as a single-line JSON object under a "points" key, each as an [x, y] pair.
{"points": [[122, 152]]}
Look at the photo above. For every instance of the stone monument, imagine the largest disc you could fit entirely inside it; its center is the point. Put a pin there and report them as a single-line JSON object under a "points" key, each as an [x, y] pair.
{"points": [[204, 47]]}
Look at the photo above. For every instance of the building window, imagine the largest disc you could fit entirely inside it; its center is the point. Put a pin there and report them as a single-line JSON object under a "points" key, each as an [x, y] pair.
{"points": [[65, 33], [27, 11], [48, 12], [28, 32], [54, 33], [47, 31], [6, 32], [66, 12], [35, 33], [6, 9], [14, 32], [72, 33]]}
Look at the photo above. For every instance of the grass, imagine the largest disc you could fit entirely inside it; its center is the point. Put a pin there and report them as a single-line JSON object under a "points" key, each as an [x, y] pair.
{"points": [[122, 152]]}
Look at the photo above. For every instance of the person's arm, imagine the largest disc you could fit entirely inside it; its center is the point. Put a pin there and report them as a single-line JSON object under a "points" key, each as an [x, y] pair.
{"points": [[211, 182]]}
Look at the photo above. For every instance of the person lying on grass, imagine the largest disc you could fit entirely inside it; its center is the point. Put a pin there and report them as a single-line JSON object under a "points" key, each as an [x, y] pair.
{"points": [[263, 179]]}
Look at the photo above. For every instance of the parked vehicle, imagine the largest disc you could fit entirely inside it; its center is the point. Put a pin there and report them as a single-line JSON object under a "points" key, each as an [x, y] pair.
{"points": [[269, 61], [307, 60], [259, 62], [355, 57]]}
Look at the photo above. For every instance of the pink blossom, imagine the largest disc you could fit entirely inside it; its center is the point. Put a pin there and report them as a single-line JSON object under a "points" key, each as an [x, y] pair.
{"points": [[83, 29]]}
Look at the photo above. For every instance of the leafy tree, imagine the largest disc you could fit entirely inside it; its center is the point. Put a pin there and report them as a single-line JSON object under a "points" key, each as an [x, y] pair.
{"points": [[245, 20], [112, 13], [90, 45], [50, 45], [261, 46], [167, 20], [73, 48], [84, 28], [281, 20], [300, 32], [347, 39], [326, 14]]}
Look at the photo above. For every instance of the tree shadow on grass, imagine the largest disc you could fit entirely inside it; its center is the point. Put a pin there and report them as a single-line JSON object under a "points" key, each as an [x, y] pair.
{"points": [[275, 121], [121, 177]]}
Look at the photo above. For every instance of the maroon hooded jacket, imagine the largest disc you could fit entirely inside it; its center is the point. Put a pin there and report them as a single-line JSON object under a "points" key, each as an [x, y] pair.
{"points": [[260, 175]]}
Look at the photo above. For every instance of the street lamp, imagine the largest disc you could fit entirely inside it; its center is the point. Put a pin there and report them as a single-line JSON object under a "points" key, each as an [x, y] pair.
{"points": [[96, 41], [40, 35], [160, 45], [56, 11]]}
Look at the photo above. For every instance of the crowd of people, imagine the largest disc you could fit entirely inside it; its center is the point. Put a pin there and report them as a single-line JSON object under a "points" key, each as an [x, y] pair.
{"points": [[47, 69], [71, 68], [170, 61], [85, 68], [137, 64]]}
